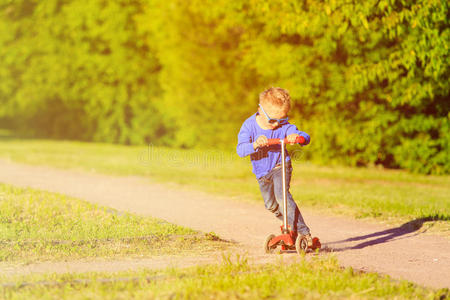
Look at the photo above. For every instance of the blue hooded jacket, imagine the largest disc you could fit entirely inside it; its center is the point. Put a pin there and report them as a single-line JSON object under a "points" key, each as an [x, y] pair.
{"points": [[264, 159]]}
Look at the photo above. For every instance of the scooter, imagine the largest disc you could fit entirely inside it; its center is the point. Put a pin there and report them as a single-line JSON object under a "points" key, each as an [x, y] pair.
{"points": [[288, 239]]}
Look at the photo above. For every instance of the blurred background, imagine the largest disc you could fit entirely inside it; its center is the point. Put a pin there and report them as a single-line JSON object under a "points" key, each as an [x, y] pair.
{"points": [[368, 79]]}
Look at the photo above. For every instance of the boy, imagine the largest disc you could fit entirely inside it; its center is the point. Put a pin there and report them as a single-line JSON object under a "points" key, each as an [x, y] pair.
{"points": [[271, 121]]}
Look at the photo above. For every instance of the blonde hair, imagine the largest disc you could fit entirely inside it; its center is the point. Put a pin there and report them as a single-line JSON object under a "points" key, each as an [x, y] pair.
{"points": [[276, 96]]}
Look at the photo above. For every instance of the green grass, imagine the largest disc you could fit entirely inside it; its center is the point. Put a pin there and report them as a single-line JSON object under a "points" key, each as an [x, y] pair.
{"points": [[361, 192], [37, 225], [320, 278]]}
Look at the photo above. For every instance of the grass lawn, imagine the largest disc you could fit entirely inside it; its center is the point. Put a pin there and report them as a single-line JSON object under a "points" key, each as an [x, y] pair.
{"points": [[37, 225], [320, 278], [392, 195]]}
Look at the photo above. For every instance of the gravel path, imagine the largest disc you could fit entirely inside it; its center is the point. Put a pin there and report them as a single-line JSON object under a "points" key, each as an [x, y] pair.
{"points": [[402, 252]]}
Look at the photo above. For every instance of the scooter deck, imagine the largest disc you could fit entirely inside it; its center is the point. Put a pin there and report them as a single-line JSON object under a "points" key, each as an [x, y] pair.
{"points": [[290, 241]]}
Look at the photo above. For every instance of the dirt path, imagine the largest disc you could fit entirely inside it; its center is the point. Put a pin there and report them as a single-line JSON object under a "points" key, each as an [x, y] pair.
{"points": [[401, 252]]}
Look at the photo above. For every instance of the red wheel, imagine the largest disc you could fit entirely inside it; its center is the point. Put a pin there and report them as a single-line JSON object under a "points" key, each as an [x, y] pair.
{"points": [[301, 245], [268, 249]]}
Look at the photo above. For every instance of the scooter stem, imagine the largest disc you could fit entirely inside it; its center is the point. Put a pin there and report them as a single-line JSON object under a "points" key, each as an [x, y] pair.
{"points": [[283, 170]]}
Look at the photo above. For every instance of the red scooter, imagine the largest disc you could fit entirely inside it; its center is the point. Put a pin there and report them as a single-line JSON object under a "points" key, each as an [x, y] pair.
{"points": [[288, 239]]}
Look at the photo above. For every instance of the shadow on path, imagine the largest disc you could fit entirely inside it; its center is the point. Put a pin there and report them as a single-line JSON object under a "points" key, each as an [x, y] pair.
{"points": [[389, 234]]}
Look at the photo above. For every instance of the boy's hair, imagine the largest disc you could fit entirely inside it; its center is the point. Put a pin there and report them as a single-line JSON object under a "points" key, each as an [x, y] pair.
{"points": [[276, 96]]}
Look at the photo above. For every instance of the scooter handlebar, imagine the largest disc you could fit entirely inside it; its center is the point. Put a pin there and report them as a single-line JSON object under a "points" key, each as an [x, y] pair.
{"points": [[300, 140]]}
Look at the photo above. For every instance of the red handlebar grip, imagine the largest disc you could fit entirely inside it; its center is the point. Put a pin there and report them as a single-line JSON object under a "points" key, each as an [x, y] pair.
{"points": [[299, 140], [274, 142]]}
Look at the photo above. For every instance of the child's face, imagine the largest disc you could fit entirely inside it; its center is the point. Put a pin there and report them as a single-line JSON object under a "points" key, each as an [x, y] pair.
{"points": [[273, 112]]}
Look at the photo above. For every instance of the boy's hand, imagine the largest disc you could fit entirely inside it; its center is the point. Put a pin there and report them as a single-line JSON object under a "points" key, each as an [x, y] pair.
{"points": [[291, 139], [261, 141]]}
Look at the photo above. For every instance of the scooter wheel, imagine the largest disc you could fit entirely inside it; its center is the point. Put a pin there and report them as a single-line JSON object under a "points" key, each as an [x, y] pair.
{"points": [[301, 245], [268, 249]]}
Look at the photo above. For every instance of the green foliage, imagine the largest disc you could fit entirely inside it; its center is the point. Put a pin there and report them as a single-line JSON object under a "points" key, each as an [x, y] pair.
{"points": [[76, 69], [207, 92], [369, 80]]}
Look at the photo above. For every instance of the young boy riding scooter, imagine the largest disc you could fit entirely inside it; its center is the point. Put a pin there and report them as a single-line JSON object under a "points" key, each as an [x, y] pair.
{"points": [[271, 122]]}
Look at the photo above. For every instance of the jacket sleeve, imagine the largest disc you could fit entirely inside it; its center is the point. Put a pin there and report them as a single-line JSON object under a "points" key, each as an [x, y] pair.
{"points": [[293, 129], [245, 143]]}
